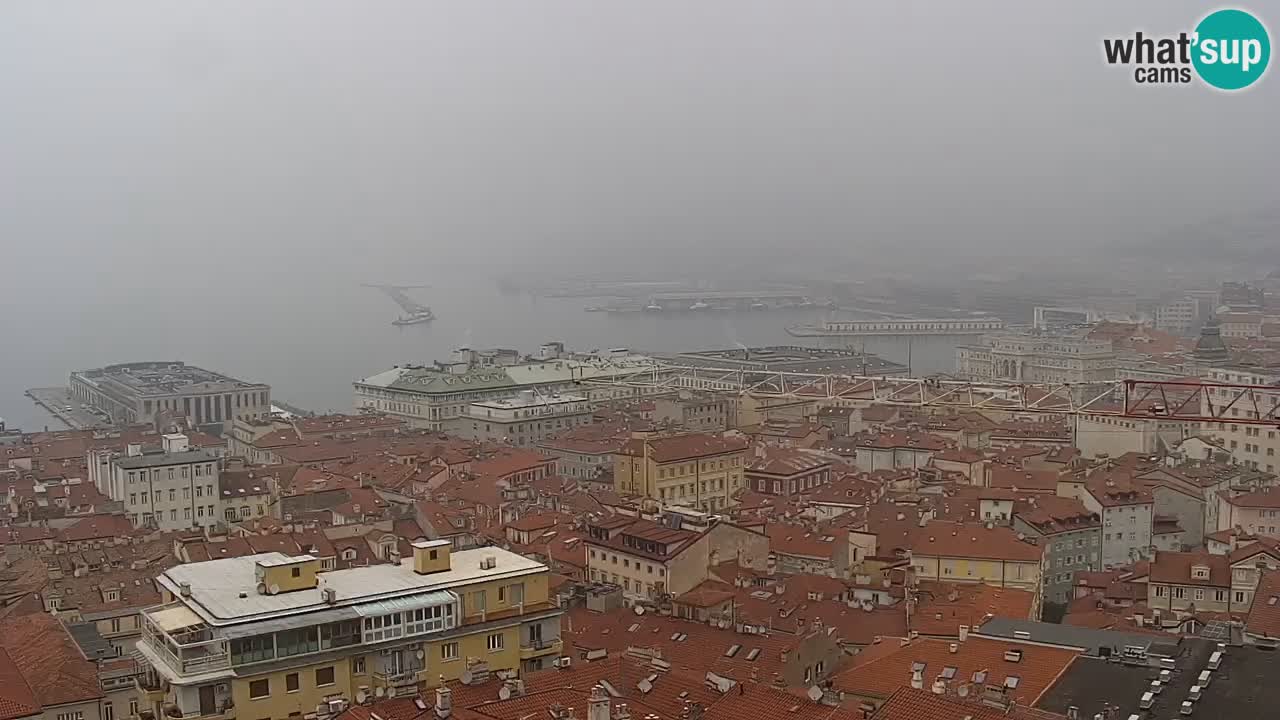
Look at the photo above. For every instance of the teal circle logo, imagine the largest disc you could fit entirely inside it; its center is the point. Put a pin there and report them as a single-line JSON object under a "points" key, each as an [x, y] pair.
{"points": [[1232, 49]]}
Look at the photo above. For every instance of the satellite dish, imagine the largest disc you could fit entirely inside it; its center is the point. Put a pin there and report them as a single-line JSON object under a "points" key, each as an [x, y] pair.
{"points": [[379, 691], [815, 693], [639, 609], [421, 654], [391, 691], [724, 624], [361, 696], [504, 693], [466, 677], [274, 589], [262, 588]]}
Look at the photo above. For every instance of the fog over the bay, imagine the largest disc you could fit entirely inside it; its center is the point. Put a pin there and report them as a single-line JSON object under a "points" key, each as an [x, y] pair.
{"points": [[143, 140]]}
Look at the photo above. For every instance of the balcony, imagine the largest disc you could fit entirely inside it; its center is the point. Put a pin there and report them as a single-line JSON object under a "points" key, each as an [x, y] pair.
{"points": [[530, 649], [175, 635]]}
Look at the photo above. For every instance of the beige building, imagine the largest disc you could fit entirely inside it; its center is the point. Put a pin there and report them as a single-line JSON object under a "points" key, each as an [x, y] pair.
{"points": [[269, 636], [1048, 358], [524, 420], [698, 470], [1256, 513], [648, 559], [1187, 583], [971, 553], [173, 487], [695, 412]]}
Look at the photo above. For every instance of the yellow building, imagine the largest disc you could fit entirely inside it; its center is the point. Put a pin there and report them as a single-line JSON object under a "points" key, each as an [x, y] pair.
{"points": [[697, 470], [271, 637], [973, 553]]}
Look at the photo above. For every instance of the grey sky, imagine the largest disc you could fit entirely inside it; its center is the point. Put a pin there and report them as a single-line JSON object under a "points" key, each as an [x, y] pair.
{"points": [[346, 137]]}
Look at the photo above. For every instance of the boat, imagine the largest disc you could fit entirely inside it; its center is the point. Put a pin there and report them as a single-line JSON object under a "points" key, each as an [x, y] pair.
{"points": [[699, 306], [653, 307], [416, 318], [757, 305]]}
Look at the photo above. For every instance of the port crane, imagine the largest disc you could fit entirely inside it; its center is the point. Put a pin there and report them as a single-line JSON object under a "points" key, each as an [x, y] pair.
{"points": [[1187, 400]]}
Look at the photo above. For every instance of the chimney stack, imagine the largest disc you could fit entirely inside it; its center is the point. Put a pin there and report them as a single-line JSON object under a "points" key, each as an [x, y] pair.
{"points": [[444, 700], [599, 705]]}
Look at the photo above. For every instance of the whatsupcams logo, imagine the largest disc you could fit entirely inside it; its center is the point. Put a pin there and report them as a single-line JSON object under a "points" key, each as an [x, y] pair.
{"points": [[1228, 50]]}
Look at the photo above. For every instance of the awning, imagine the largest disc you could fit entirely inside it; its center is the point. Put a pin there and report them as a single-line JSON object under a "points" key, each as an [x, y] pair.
{"points": [[409, 602], [175, 618]]}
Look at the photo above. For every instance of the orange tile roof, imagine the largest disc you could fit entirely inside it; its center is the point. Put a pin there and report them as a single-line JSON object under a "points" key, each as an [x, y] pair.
{"points": [[908, 703], [1264, 615], [16, 698], [1037, 668], [948, 606], [961, 540], [1174, 568], [49, 660], [674, 448]]}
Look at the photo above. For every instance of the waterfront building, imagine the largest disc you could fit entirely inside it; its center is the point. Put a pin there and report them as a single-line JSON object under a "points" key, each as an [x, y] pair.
{"points": [[142, 391], [524, 420]]}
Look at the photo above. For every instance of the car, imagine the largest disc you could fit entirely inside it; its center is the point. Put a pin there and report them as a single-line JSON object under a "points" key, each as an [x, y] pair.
{"points": [[67, 408]]}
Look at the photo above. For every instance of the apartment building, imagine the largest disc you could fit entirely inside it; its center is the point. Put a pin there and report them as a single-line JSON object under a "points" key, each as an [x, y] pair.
{"points": [[1253, 446], [647, 558], [524, 420], [269, 636], [698, 412], [1256, 513], [1071, 536], [1186, 583], [973, 553], [697, 470], [173, 487], [786, 471], [1127, 510]]}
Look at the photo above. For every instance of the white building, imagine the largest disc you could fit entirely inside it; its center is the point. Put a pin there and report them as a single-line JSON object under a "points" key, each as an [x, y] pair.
{"points": [[1177, 317], [1057, 358], [524, 420], [428, 397], [1253, 446], [171, 488]]}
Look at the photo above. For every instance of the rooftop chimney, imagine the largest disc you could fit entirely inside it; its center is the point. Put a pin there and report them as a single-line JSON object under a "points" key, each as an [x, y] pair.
{"points": [[917, 679], [598, 706], [444, 700]]}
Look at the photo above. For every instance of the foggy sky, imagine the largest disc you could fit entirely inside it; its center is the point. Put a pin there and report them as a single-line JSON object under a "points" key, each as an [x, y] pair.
{"points": [[195, 145]]}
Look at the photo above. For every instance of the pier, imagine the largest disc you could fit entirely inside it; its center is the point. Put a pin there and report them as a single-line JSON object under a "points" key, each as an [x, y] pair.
{"points": [[935, 327]]}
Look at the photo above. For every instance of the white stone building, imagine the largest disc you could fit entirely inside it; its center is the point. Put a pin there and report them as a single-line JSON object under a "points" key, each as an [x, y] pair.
{"points": [[170, 488]]}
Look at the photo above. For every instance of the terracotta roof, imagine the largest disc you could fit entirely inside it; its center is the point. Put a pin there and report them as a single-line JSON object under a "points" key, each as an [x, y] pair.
{"points": [[1004, 476], [908, 703], [16, 698], [1174, 568], [1264, 615], [684, 447], [1051, 514], [97, 527], [900, 440], [1268, 498], [786, 462], [960, 455], [1037, 667], [802, 541], [948, 606], [49, 660], [959, 540]]}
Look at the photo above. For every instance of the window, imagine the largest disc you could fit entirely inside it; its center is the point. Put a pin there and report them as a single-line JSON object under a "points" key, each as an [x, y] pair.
{"points": [[199, 491], [108, 713], [449, 651], [252, 649], [133, 707], [1239, 596], [259, 689], [115, 623], [477, 601], [357, 666], [494, 642], [297, 572], [291, 682], [77, 715], [324, 676]]}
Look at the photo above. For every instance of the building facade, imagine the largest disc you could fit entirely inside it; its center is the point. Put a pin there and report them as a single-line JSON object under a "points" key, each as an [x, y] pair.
{"points": [[146, 391], [431, 396], [524, 420], [697, 470], [170, 488], [1253, 446], [268, 636], [1052, 358], [1072, 539]]}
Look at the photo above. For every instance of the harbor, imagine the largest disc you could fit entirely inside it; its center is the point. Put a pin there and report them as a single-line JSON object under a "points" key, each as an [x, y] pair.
{"points": [[717, 301]]}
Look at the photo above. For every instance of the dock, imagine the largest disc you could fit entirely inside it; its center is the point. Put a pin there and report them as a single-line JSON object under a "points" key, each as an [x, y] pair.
{"points": [[56, 400], [943, 327]]}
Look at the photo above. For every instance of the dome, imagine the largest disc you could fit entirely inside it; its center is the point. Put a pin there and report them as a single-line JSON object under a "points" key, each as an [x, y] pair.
{"points": [[1210, 348]]}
